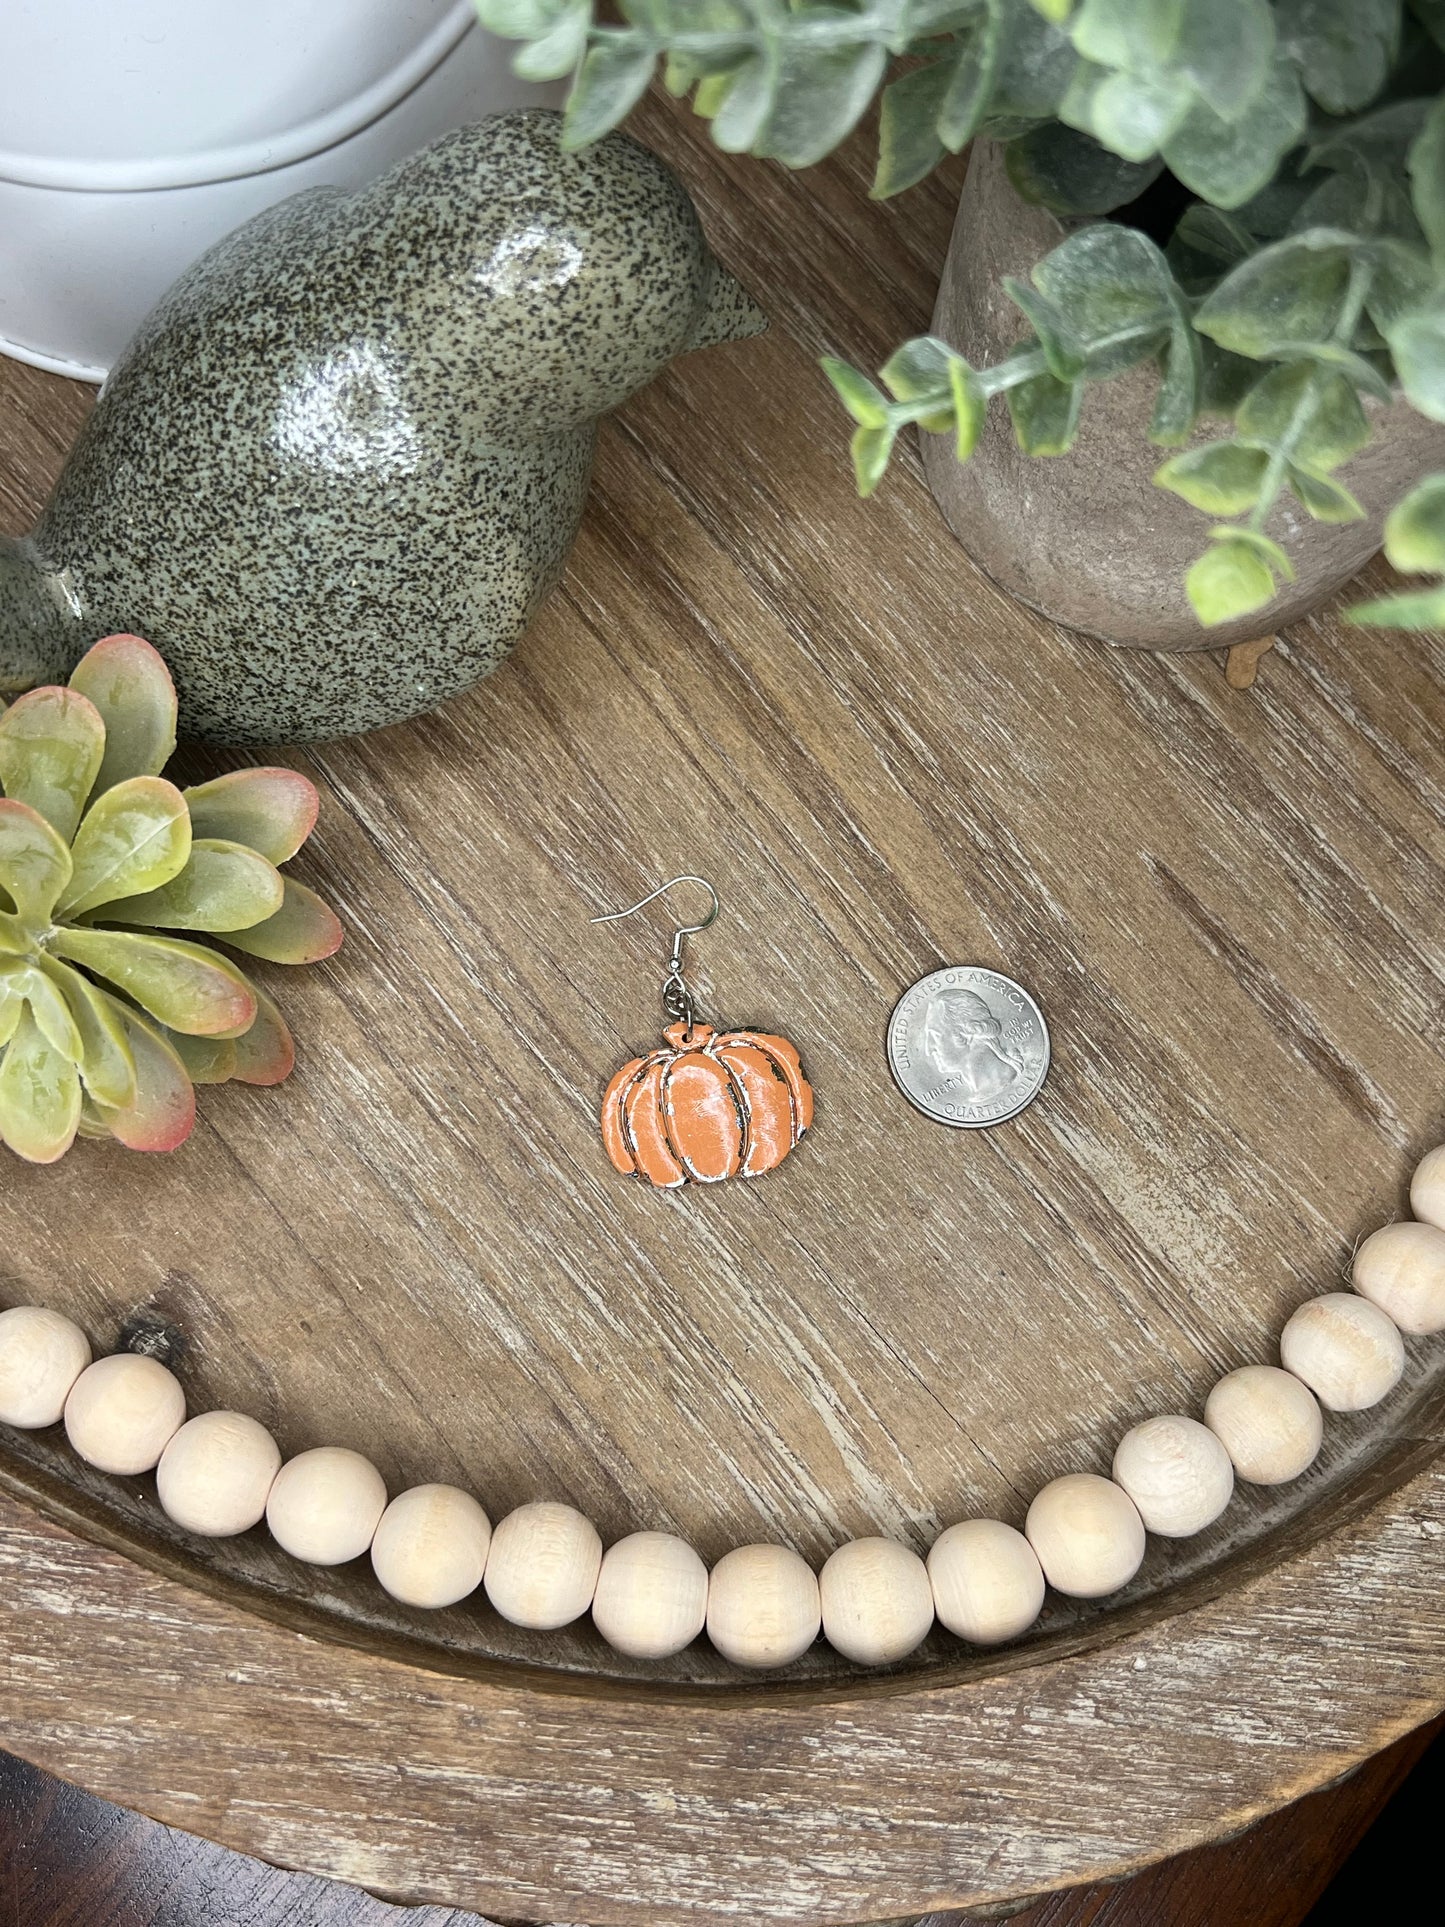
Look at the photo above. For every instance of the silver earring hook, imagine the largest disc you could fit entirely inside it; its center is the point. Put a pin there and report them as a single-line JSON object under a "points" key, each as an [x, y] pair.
{"points": [[677, 999]]}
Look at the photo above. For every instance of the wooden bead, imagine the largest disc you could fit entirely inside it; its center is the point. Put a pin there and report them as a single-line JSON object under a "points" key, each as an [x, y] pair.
{"points": [[1177, 1473], [1345, 1349], [1427, 1188], [1401, 1268], [123, 1411], [543, 1566], [41, 1356], [876, 1601], [216, 1474], [325, 1505], [1087, 1533], [987, 1582], [1268, 1422], [431, 1546], [763, 1607], [651, 1597]]}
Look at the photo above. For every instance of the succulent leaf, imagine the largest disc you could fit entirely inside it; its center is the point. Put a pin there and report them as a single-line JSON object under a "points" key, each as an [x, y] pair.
{"points": [[106, 1025], [208, 1060], [129, 684], [39, 1095], [182, 985], [52, 742], [136, 837], [304, 930], [35, 864], [162, 1113], [223, 887], [266, 1053], [271, 811], [48, 1008], [106, 1063]]}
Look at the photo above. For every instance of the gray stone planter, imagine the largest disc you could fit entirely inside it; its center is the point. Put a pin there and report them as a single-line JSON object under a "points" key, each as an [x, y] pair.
{"points": [[1085, 538]]}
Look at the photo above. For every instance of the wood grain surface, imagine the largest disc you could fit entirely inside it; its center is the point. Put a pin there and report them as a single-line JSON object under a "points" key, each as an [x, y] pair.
{"points": [[1228, 904], [70, 1860]]}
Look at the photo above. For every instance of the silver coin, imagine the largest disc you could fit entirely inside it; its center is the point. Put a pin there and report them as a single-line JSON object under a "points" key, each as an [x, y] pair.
{"points": [[968, 1046]]}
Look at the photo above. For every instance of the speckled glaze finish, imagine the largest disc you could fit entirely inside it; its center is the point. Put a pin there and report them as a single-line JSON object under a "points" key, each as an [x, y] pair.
{"points": [[344, 459]]}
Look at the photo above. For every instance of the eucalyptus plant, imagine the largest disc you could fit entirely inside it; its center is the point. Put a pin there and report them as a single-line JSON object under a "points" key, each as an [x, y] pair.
{"points": [[1300, 145]]}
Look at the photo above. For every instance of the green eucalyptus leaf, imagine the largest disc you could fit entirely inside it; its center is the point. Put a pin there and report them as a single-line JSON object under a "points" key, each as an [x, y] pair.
{"points": [[39, 1095], [820, 96], [1225, 49], [1205, 245], [1230, 579], [973, 77], [1263, 545], [1126, 33], [1415, 529], [52, 743], [1222, 478], [1410, 609], [130, 685], [1035, 61], [1226, 162], [135, 837], [182, 985], [1045, 414], [1316, 414], [1063, 348], [612, 79], [271, 811], [1324, 499], [1291, 292], [1417, 343], [554, 54], [1343, 47], [920, 369], [304, 930], [35, 865], [1379, 141], [871, 449], [1427, 177], [1056, 11], [909, 147], [1402, 280], [867, 404], [107, 1064], [1070, 173], [970, 405], [1110, 299], [1131, 115], [224, 887]]}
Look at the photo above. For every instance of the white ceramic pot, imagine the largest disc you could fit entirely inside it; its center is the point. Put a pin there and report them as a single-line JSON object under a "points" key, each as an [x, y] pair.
{"points": [[135, 133]]}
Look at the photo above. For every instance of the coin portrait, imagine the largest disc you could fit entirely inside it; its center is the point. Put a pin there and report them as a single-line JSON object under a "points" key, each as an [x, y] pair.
{"points": [[968, 1046]]}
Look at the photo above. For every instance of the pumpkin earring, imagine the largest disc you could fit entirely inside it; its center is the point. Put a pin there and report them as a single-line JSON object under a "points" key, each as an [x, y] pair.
{"points": [[708, 1105]]}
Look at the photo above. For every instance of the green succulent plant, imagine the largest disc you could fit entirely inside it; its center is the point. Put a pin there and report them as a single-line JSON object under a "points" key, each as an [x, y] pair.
{"points": [[1296, 149], [108, 1019]]}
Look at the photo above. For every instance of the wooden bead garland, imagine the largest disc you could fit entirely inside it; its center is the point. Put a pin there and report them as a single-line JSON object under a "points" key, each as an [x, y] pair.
{"points": [[1268, 1421], [1087, 1533], [123, 1411], [216, 1474], [1427, 1188], [1345, 1349], [1177, 1473], [876, 1600], [41, 1356], [762, 1605], [543, 1566], [1401, 1268], [651, 1597], [325, 1505], [430, 1548], [987, 1582]]}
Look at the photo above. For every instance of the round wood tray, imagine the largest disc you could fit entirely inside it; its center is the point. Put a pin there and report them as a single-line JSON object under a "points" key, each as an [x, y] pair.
{"points": [[1229, 907]]}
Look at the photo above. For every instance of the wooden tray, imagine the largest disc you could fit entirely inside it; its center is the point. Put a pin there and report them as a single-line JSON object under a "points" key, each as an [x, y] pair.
{"points": [[1230, 909]]}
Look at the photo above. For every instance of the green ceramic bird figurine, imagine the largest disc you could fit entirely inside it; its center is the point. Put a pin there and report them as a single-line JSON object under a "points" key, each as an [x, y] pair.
{"points": [[344, 458]]}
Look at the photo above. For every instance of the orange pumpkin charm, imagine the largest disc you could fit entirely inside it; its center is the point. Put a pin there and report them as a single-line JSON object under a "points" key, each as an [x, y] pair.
{"points": [[709, 1106]]}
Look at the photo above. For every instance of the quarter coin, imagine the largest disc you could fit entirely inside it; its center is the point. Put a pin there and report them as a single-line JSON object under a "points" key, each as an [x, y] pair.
{"points": [[968, 1046]]}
